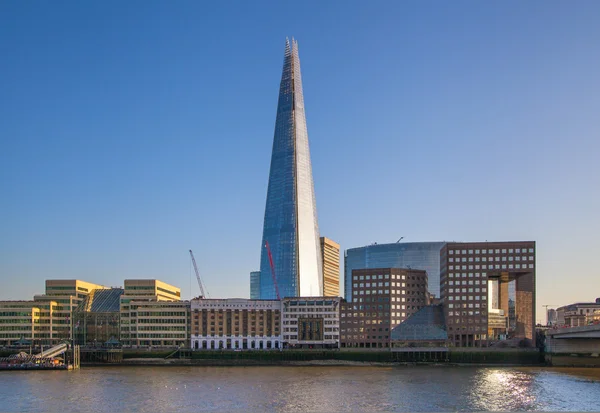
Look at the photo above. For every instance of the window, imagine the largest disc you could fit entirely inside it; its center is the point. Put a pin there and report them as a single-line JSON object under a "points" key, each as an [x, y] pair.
{"points": [[451, 252]]}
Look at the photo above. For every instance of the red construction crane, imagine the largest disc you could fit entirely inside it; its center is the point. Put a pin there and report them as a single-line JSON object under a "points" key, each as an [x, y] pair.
{"points": [[272, 269]]}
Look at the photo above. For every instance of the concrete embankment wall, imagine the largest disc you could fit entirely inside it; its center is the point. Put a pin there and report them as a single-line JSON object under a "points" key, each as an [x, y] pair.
{"points": [[454, 356]]}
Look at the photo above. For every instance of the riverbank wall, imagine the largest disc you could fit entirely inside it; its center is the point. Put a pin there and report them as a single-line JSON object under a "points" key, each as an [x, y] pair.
{"points": [[474, 356]]}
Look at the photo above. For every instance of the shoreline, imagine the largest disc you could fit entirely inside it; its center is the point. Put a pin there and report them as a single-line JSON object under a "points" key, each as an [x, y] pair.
{"points": [[159, 362]]}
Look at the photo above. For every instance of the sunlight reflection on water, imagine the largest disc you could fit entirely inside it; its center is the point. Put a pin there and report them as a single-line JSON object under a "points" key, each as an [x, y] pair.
{"points": [[295, 389]]}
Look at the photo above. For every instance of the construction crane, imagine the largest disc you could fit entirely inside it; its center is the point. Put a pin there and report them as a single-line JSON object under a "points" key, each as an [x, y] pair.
{"points": [[272, 269], [202, 289]]}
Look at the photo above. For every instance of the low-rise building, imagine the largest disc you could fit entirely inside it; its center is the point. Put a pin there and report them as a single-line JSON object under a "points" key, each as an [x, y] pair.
{"points": [[47, 319], [574, 315], [382, 298], [311, 322], [235, 323], [152, 314]]}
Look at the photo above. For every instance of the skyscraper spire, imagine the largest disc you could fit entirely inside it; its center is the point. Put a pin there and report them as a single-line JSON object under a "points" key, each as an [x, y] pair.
{"points": [[290, 225]]}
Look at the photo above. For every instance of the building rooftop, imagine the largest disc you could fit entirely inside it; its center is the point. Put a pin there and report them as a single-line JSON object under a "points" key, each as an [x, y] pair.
{"points": [[102, 301], [426, 324]]}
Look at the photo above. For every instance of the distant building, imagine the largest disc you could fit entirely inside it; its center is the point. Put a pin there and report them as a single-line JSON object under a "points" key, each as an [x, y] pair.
{"points": [[311, 322], [255, 285], [152, 315], [414, 255], [235, 323], [382, 299], [475, 281], [330, 257], [551, 317], [96, 320], [574, 315]]}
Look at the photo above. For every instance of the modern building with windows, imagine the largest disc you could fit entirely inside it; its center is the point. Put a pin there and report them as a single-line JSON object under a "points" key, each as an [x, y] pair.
{"points": [[291, 231], [152, 314], [576, 314], [47, 319], [311, 322], [255, 285], [414, 255], [476, 278], [330, 257], [235, 323], [382, 299], [96, 320]]}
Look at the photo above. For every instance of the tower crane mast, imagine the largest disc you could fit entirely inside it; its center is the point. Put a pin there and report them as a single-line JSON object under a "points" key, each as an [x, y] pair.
{"points": [[202, 290]]}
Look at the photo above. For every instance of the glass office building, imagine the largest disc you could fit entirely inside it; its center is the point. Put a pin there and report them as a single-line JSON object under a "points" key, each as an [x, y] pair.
{"points": [[255, 285], [413, 255], [290, 226]]}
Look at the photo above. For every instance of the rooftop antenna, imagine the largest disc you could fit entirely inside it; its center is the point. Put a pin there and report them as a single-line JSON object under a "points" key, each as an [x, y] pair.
{"points": [[401, 238]]}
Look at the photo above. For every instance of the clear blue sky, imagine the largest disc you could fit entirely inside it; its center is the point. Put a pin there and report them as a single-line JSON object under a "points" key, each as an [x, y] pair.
{"points": [[133, 131]]}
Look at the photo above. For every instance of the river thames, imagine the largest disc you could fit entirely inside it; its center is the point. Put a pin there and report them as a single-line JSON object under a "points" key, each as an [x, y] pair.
{"points": [[296, 389]]}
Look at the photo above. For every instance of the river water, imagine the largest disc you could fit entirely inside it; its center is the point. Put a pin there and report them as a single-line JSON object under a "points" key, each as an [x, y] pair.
{"points": [[300, 389]]}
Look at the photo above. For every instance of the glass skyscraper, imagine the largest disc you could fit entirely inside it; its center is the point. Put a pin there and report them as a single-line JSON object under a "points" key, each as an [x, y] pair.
{"points": [[414, 255], [255, 285], [290, 225]]}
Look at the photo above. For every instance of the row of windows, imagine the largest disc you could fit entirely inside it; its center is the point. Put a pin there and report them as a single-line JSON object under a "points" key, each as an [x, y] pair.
{"points": [[492, 251], [464, 290], [467, 297], [467, 282], [491, 267], [491, 259], [384, 277], [464, 305]]}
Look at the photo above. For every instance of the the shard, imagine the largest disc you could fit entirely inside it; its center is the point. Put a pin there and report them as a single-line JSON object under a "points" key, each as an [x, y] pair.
{"points": [[290, 227]]}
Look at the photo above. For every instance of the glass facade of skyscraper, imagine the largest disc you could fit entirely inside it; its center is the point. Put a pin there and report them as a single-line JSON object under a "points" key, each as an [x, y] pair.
{"points": [[290, 224], [255, 285], [413, 255]]}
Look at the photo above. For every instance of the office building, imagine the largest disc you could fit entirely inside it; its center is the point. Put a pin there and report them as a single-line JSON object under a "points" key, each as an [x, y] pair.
{"points": [[96, 320], [382, 299], [311, 322], [152, 314], [290, 227], [475, 279], [255, 285], [330, 258], [235, 323], [415, 255], [47, 319], [576, 314]]}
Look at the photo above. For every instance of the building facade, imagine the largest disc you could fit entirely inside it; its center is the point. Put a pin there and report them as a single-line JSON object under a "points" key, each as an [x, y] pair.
{"points": [[255, 285], [415, 255], [311, 322], [235, 323], [576, 314], [475, 279], [27, 321], [152, 314], [96, 320], [291, 231], [47, 319], [382, 299], [68, 294], [330, 257]]}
